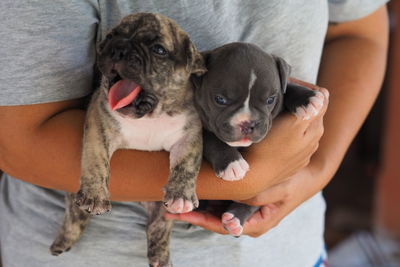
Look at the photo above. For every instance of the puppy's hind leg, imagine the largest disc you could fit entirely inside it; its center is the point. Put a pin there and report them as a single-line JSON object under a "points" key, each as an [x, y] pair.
{"points": [[236, 215], [158, 235], [74, 223]]}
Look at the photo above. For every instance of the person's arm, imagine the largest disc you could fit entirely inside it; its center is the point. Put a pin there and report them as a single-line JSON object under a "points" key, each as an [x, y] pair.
{"points": [[352, 68], [41, 144]]}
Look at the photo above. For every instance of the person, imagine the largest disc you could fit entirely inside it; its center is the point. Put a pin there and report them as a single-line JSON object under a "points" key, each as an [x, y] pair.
{"points": [[48, 55], [380, 246]]}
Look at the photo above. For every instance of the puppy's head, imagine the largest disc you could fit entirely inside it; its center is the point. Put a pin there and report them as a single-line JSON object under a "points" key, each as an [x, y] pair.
{"points": [[150, 52], [241, 92]]}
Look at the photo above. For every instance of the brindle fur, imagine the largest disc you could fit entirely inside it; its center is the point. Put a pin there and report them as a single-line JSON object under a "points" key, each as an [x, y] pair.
{"points": [[75, 221], [158, 234], [166, 90]]}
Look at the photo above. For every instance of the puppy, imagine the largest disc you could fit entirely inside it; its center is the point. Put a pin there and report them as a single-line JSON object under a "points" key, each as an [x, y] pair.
{"points": [[146, 62], [243, 90]]}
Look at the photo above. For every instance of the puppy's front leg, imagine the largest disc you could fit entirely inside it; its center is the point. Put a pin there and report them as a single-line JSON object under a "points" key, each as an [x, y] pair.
{"points": [[226, 161], [185, 160], [93, 195]]}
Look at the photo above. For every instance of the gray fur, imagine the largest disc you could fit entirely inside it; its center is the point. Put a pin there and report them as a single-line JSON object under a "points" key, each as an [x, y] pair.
{"points": [[127, 53]]}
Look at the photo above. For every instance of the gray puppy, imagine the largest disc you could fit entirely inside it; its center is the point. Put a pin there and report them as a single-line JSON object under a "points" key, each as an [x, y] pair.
{"points": [[145, 102], [243, 90]]}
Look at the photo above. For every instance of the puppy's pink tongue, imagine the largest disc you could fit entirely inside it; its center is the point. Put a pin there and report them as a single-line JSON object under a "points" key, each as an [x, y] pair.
{"points": [[122, 94]]}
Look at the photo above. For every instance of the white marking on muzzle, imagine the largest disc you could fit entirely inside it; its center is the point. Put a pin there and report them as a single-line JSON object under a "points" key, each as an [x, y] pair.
{"points": [[244, 114], [253, 79]]}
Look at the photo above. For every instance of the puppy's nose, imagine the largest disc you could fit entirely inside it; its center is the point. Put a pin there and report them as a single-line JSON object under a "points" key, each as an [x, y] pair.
{"points": [[247, 127], [118, 52]]}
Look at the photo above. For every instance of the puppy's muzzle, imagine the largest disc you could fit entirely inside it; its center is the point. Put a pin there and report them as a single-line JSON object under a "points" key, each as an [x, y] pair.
{"points": [[247, 127], [119, 51]]}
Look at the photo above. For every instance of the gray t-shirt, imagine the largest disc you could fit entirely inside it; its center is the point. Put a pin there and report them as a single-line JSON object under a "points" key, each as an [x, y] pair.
{"points": [[47, 53]]}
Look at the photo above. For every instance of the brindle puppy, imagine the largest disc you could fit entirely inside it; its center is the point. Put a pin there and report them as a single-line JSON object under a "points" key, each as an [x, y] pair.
{"points": [[146, 62]]}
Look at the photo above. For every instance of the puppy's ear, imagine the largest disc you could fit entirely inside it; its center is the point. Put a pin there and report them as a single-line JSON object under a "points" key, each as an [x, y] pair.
{"points": [[196, 81], [284, 71], [199, 66], [195, 62], [197, 78]]}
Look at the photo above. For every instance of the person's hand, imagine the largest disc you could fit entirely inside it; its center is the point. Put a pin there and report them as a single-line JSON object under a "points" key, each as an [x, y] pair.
{"points": [[280, 200], [259, 223], [276, 203], [288, 146]]}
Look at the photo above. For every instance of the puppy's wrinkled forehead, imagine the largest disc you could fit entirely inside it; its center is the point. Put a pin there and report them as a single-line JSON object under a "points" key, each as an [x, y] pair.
{"points": [[152, 27]]}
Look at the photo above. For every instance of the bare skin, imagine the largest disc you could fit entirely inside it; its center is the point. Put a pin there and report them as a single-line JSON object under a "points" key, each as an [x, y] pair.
{"points": [[34, 135], [352, 67]]}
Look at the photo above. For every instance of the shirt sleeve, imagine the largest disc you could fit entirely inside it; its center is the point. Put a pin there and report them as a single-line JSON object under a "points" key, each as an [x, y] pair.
{"points": [[47, 50], [346, 10]]}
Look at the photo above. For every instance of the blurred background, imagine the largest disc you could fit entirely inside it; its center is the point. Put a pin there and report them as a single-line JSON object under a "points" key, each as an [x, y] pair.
{"points": [[363, 199]]}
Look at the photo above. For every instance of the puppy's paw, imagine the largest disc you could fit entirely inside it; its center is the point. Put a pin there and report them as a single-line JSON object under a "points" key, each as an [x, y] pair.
{"points": [[232, 224], [180, 205], [177, 202], [59, 246], [145, 103], [312, 109], [57, 249], [93, 201], [235, 171]]}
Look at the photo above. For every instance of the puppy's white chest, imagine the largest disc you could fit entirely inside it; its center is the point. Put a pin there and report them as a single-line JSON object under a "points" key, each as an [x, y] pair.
{"points": [[152, 134]]}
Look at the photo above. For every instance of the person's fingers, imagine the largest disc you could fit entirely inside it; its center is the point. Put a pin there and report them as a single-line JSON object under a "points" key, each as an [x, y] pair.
{"points": [[311, 86], [314, 111], [203, 219], [274, 194], [262, 221], [325, 92], [316, 127]]}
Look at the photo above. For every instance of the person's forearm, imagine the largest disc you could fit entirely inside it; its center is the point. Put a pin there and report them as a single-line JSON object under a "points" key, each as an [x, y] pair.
{"points": [[48, 155], [352, 68]]}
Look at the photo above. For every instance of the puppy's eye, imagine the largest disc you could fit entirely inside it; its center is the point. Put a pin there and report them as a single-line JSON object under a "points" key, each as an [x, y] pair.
{"points": [[271, 100], [220, 100], [159, 50]]}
